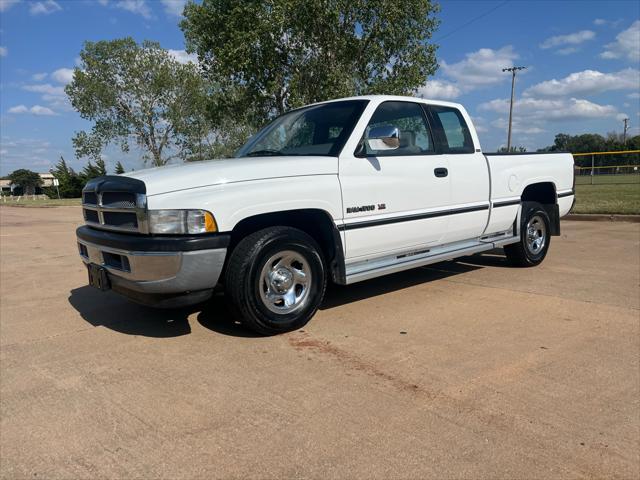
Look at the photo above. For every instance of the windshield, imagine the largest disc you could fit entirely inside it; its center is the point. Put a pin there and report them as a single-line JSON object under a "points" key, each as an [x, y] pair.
{"points": [[316, 130]]}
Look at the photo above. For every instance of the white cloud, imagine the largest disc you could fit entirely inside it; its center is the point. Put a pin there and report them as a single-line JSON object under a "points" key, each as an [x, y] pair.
{"points": [[437, 89], [35, 110], [587, 82], [53, 95], [542, 110], [45, 88], [634, 95], [481, 68], [139, 7], [627, 44], [4, 51], [7, 4], [621, 116], [44, 8], [517, 126], [604, 22], [63, 75], [40, 110], [571, 39], [104, 3], [182, 56], [38, 77], [18, 109], [174, 7]]}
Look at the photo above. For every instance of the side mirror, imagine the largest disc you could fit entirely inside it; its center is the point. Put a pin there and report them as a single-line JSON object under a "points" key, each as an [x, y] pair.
{"points": [[384, 138]]}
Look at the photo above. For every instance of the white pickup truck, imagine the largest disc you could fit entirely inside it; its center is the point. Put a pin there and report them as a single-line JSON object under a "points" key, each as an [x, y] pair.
{"points": [[344, 190]]}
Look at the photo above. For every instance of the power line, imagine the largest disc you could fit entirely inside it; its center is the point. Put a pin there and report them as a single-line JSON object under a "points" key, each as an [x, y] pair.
{"points": [[472, 21]]}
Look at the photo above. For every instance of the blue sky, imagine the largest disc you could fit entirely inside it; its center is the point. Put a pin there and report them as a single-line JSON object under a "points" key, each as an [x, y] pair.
{"points": [[583, 60]]}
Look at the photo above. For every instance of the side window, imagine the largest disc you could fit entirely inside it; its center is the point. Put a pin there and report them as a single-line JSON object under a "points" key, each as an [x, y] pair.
{"points": [[453, 130], [409, 118]]}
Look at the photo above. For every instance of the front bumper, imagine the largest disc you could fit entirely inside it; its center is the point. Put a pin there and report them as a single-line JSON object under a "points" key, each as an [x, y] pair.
{"points": [[156, 270]]}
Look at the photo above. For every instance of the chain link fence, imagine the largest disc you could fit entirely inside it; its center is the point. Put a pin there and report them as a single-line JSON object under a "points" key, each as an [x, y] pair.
{"points": [[607, 168]]}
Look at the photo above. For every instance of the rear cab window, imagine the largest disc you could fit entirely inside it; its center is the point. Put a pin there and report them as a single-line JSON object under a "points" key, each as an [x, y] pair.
{"points": [[450, 130]]}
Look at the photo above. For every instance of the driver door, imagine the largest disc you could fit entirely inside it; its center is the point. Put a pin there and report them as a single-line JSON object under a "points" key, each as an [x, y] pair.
{"points": [[393, 198]]}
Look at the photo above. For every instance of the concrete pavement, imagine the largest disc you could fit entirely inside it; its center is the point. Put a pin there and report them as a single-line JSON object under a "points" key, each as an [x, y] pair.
{"points": [[467, 369]]}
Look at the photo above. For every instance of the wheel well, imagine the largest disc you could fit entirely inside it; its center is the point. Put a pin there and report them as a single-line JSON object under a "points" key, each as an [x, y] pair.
{"points": [[316, 223], [544, 193]]}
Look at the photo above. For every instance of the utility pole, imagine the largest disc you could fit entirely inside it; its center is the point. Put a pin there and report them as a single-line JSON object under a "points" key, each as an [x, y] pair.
{"points": [[513, 71], [624, 131]]}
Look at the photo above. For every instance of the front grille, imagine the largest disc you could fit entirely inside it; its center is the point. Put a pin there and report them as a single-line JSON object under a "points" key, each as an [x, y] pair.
{"points": [[91, 216], [121, 219], [119, 199], [116, 203], [90, 198]]}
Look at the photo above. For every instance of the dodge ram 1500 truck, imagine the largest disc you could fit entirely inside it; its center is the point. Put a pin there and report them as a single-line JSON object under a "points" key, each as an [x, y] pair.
{"points": [[344, 190]]}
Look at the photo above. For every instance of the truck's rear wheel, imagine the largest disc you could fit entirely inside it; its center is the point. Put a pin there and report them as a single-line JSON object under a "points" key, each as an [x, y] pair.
{"points": [[535, 237], [276, 279]]}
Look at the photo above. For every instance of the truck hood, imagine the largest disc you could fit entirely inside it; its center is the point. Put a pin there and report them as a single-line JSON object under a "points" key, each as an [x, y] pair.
{"points": [[218, 172]]}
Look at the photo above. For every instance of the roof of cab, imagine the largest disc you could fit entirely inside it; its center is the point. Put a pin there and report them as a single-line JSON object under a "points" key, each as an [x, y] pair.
{"points": [[400, 98]]}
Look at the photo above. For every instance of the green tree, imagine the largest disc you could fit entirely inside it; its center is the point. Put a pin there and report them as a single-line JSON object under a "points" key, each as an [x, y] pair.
{"points": [[25, 179], [91, 171], [70, 182], [267, 57], [139, 94], [101, 167], [119, 168], [593, 142]]}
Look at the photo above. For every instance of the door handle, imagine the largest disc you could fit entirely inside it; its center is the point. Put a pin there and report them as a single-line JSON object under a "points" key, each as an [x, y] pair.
{"points": [[440, 172]]}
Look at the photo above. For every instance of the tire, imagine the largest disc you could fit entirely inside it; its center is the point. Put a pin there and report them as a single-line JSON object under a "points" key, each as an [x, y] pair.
{"points": [[276, 279], [535, 237]]}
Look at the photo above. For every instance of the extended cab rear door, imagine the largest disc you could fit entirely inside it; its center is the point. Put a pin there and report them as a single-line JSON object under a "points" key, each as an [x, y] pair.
{"points": [[468, 172]]}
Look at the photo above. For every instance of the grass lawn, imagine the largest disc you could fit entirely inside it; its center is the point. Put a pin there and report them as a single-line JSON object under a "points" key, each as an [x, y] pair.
{"points": [[624, 199], [48, 202], [608, 179]]}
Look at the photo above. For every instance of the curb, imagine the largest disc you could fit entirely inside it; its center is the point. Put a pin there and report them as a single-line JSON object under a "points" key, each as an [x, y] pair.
{"points": [[603, 217]]}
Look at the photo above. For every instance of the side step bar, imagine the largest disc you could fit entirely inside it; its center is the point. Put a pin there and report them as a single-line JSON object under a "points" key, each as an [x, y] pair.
{"points": [[401, 263]]}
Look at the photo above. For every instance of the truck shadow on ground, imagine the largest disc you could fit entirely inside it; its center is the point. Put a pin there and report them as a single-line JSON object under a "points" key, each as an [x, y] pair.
{"points": [[111, 311]]}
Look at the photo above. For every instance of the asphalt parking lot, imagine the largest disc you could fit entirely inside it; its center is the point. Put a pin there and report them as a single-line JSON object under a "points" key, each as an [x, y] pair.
{"points": [[466, 369]]}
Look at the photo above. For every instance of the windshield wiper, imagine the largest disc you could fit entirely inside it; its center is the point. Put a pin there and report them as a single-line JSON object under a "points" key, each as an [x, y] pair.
{"points": [[259, 153]]}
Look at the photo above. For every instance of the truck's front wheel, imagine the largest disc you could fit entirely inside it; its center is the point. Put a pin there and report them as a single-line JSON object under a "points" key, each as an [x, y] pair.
{"points": [[276, 279]]}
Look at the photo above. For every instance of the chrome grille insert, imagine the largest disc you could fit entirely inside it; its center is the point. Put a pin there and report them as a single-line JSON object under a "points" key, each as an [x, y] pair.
{"points": [[115, 203], [119, 199]]}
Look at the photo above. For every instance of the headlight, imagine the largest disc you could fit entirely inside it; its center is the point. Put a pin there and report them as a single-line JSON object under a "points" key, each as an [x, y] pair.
{"points": [[181, 221]]}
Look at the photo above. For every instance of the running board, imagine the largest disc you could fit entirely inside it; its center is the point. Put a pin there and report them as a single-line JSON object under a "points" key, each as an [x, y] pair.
{"points": [[360, 272]]}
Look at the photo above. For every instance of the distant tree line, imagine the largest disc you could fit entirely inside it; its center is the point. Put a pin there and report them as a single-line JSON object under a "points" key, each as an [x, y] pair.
{"points": [[70, 182], [592, 142]]}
